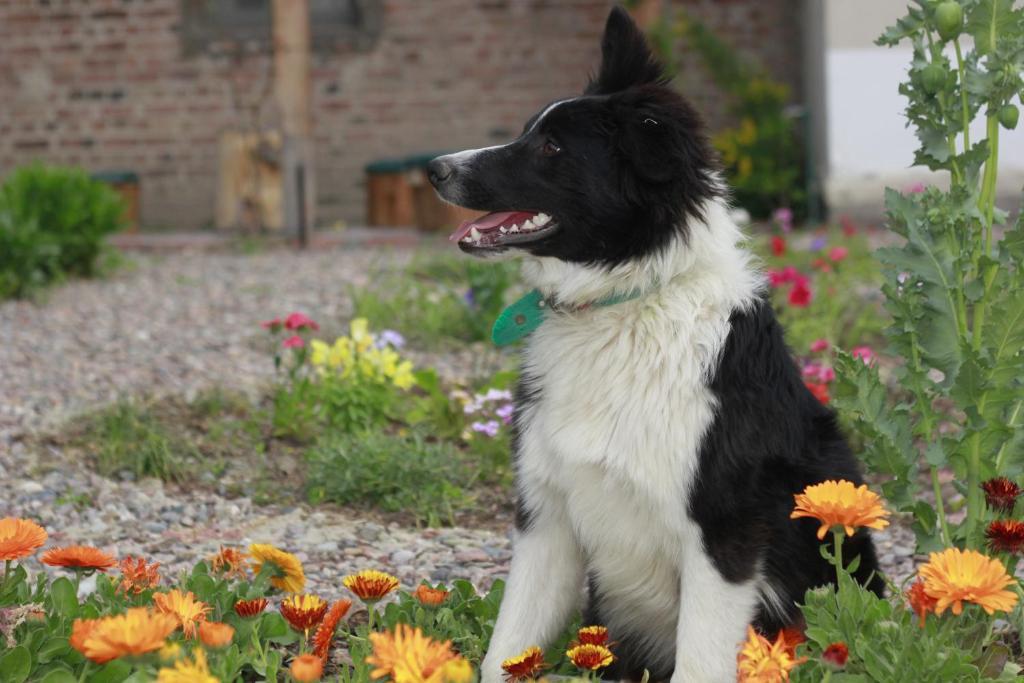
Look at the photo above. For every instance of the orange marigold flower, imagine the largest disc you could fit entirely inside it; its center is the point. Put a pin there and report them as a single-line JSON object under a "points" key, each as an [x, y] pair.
{"points": [[216, 634], [955, 576], [370, 585], [81, 557], [303, 612], [137, 575], [1005, 535], [1001, 493], [407, 656], [592, 635], [525, 666], [136, 632], [430, 597], [184, 607], [250, 608], [920, 601], [840, 503], [230, 562], [762, 662], [590, 657], [185, 671], [307, 668], [835, 655], [324, 635], [790, 637], [19, 538], [288, 574]]}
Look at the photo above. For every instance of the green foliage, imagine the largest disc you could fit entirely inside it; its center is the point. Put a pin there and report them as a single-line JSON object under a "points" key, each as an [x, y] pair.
{"points": [[763, 154], [130, 439], [53, 222], [393, 473], [888, 645], [952, 289], [438, 300]]}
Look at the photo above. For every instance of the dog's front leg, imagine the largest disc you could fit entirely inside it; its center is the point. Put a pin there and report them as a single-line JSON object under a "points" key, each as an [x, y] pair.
{"points": [[713, 618], [544, 587]]}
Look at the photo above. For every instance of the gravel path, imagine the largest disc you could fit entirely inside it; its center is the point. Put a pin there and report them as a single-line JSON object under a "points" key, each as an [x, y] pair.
{"points": [[175, 324]]}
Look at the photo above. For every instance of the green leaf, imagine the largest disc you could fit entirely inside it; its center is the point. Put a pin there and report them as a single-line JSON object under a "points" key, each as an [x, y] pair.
{"points": [[65, 601], [112, 672], [987, 22], [52, 648], [59, 676], [15, 665]]}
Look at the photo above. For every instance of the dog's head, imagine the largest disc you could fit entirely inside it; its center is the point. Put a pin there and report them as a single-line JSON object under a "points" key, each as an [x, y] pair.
{"points": [[599, 178]]}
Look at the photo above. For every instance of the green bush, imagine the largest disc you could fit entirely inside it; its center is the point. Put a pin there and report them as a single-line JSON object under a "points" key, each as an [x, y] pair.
{"points": [[392, 473], [53, 221]]}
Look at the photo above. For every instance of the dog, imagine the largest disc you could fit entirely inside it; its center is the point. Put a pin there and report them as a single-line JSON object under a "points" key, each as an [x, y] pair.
{"points": [[661, 426]]}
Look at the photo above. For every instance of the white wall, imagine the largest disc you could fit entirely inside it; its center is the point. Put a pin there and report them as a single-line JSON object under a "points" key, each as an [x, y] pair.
{"points": [[868, 146]]}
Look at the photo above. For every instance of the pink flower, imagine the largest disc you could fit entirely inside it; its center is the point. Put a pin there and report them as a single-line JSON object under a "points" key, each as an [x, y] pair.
{"points": [[822, 265], [826, 374], [299, 321], [916, 188], [293, 342], [784, 217], [838, 253], [778, 245], [864, 353], [811, 370], [272, 325], [819, 345], [800, 295], [775, 278]]}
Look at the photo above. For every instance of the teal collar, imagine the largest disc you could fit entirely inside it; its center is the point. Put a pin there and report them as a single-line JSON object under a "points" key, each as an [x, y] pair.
{"points": [[527, 314]]}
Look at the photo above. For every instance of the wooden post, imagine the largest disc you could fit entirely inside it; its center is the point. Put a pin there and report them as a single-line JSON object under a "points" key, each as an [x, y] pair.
{"points": [[292, 92]]}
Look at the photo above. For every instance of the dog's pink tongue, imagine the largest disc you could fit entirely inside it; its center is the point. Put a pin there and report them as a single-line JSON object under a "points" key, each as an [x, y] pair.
{"points": [[487, 222]]}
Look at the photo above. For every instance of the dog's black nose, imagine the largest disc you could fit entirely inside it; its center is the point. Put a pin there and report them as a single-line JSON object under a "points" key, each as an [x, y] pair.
{"points": [[439, 170]]}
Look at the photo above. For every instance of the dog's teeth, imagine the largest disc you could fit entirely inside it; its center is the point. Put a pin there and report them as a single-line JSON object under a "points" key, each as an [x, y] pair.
{"points": [[503, 229], [514, 228], [466, 239], [475, 234], [528, 225], [541, 219]]}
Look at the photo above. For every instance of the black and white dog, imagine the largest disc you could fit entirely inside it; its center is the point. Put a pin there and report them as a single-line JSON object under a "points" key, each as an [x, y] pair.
{"points": [[659, 439]]}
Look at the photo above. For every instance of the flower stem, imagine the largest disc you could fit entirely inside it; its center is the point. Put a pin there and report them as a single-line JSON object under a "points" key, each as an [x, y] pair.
{"points": [[369, 622], [966, 121], [7, 571], [837, 535]]}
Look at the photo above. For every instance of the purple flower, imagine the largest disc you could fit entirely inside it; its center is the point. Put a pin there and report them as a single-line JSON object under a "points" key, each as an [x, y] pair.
{"points": [[817, 244], [469, 297], [497, 395], [505, 412], [784, 217], [389, 338], [490, 428]]}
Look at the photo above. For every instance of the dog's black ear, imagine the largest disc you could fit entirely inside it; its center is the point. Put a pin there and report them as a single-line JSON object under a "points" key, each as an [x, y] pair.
{"points": [[626, 59]]}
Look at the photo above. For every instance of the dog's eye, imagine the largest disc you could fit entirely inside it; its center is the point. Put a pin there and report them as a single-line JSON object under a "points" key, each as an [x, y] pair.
{"points": [[550, 148], [650, 122]]}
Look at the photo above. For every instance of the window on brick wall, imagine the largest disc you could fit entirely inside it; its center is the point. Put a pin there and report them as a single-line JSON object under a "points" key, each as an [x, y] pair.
{"points": [[333, 23]]}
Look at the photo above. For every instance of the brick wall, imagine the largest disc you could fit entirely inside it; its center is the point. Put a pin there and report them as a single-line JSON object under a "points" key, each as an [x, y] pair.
{"points": [[106, 84]]}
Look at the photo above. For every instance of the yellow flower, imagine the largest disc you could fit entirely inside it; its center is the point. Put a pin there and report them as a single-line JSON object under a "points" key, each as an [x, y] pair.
{"points": [[955, 576], [303, 612], [185, 671], [744, 168], [184, 607], [19, 538], [762, 662], [341, 353], [136, 632], [404, 378], [590, 657], [288, 574], [359, 329], [840, 503], [319, 352], [408, 656], [370, 585], [747, 132], [307, 668]]}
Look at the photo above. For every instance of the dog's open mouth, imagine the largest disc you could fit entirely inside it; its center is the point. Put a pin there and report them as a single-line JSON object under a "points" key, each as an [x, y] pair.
{"points": [[503, 228]]}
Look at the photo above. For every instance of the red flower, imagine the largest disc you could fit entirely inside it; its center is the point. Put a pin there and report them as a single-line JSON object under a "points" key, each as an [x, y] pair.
{"points": [[1001, 493], [819, 345], [778, 245], [920, 602], [800, 295], [864, 353], [272, 325], [293, 342], [822, 265], [1006, 535], [820, 391], [300, 321], [838, 253], [849, 229], [836, 654]]}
